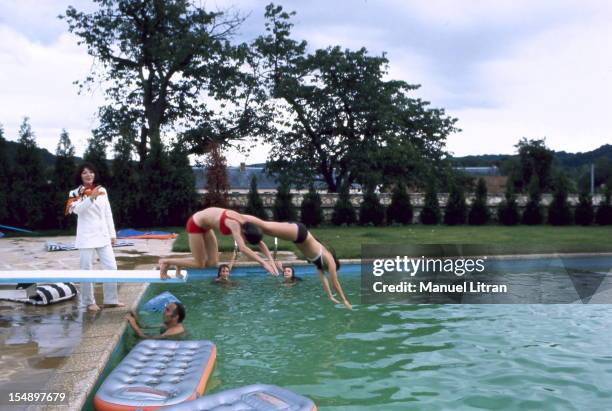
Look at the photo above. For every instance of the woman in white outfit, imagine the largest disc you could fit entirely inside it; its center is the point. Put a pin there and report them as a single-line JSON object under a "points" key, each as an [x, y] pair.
{"points": [[95, 233]]}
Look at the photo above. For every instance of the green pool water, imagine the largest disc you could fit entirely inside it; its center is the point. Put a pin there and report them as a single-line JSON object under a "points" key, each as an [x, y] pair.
{"points": [[400, 357]]}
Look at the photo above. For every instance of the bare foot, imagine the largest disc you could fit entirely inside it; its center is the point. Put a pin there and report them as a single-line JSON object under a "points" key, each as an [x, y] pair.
{"points": [[178, 273], [348, 305], [93, 307], [163, 270], [334, 300]]}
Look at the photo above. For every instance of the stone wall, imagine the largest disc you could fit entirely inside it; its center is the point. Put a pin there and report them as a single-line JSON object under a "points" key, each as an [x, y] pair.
{"points": [[239, 200]]}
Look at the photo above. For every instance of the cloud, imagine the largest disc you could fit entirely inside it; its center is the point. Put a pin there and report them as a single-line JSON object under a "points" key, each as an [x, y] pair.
{"points": [[41, 87]]}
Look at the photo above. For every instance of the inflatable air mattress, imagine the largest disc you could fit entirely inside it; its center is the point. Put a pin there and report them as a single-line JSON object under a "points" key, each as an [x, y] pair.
{"points": [[157, 373], [258, 397]]}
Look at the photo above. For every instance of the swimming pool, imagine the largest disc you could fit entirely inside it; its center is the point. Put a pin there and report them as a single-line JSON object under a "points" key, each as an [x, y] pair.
{"points": [[398, 357]]}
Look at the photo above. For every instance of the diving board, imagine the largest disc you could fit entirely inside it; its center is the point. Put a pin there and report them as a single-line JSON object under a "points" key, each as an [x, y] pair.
{"points": [[85, 276]]}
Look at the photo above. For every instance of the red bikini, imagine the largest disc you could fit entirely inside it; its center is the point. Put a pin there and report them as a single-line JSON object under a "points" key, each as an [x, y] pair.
{"points": [[193, 228]]}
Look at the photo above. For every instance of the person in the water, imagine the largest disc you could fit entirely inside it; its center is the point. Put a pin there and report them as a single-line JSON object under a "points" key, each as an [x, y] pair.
{"points": [[172, 326]]}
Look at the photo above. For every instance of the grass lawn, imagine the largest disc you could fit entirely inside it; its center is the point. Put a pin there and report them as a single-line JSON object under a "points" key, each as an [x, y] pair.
{"points": [[347, 241]]}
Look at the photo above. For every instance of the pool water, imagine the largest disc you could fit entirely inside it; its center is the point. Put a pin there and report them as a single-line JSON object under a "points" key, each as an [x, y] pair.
{"points": [[399, 357]]}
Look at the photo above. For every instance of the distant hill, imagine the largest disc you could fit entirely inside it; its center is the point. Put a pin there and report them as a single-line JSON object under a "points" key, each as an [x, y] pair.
{"points": [[47, 158], [564, 159]]}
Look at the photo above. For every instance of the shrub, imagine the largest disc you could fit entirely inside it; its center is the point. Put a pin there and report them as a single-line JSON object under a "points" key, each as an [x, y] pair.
{"points": [[283, 209], [344, 212], [584, 213], [603, 216], [430, 214], [311, 212], [371, 211], [533, 211], [508, 213], [255, 205], [479, 213], [400, 209], [456, 209], [559, 212]]}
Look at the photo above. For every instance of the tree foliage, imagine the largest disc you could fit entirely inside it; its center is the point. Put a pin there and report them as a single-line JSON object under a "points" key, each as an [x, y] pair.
{"points": [[535, 159], [283, 209], [559, 212], [508, 212], [340, 118], [158, 61], [29, 192], [371, 211], [584, 213], [217, 182], [5, 178], [311, 211], [400, 210], [456, 209], [430, 214], [479, 212], [344, 212], [63, 182], [532, 215], [603, 216], [255, 205]]}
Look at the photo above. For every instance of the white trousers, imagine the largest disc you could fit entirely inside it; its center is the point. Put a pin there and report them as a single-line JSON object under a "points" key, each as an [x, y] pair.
{"points": [[107, 258]]}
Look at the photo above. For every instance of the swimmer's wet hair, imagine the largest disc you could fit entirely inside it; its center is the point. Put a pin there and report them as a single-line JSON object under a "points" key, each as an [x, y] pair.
{"points": [[180, 311], [252, 233]]}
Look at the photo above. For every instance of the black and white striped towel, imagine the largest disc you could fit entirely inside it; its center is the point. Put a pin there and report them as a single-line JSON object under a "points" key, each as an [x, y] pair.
{"points": [[50, 294]]}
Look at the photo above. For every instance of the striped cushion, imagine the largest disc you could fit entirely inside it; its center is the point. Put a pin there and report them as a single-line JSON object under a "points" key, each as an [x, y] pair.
{"points": [[50, 293]]}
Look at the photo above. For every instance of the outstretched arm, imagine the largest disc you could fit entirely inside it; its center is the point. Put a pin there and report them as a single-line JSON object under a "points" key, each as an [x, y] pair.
{"points": [[325, 283], [334, 279], [264, 249], [235, 229]]}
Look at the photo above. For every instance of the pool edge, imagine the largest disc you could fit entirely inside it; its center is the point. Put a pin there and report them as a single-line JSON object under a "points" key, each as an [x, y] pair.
{"points": [[78, 375]]}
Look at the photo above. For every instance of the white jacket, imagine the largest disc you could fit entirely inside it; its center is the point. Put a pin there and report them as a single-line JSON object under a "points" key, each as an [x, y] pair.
{"points": [[95, 226]]}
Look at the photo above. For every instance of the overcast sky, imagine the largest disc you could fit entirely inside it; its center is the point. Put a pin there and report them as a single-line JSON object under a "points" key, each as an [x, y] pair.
{"points": [[505, 69]]}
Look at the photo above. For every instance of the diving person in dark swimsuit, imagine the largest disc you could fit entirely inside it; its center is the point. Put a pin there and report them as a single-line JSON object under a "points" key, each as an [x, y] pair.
{"points": [[313, 250], [203, 242]]}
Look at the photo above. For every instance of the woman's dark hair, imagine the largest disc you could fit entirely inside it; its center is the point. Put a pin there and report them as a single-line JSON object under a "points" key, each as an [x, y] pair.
{"points": [[333, 253], [221, 267], [252, 233], [292, 270], [180, 311], [77, 177]]}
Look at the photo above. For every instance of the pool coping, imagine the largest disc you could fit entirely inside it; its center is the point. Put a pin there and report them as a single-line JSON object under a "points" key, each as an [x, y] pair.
{"points": [[78, 375]]}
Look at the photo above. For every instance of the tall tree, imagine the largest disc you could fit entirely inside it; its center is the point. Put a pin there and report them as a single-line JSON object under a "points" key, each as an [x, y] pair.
{"points": [[126, 186], [456, 209], [157, 60], [479, 212], [532, 215], [29, 185], [430, 213], [5, 178], [342, 116], [95, 153], [255, 205], [283, 209], [217, 182], [183, 200], [535, 159], [559, 212], [400, 209], [311, 211], [507, 212], [63, 180]]}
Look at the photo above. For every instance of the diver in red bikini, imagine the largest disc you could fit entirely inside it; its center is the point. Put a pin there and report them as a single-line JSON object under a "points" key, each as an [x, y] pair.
{"points": [[203, 242]]}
